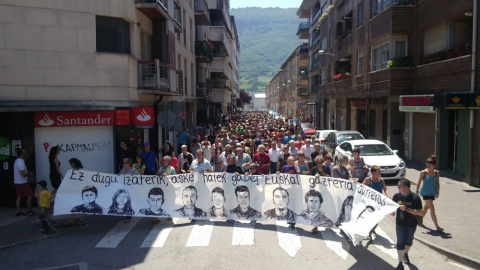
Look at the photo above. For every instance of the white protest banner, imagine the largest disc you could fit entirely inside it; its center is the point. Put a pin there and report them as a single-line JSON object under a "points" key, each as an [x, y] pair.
{"points": [[317, 201]]}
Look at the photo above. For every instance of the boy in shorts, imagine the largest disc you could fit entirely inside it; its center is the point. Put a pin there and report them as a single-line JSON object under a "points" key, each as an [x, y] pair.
{"points": [[44, 202]]}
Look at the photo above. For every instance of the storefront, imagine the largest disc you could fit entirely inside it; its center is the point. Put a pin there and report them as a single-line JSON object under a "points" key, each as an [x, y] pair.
{"points": [[85, 135], [420, 126]]}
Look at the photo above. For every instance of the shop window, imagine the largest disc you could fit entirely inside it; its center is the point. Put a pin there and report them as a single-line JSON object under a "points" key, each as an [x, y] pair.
{"points": [[113, 35]]}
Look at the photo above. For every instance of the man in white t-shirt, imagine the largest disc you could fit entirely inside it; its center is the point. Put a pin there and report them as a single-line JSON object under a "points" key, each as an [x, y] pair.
{"points": [[274, 153], [308, 149], [20, 179]]}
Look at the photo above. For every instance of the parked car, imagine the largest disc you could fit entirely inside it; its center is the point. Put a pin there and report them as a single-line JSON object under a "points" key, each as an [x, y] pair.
{"points": [[321, 135], [375, 152], [308, 129], [337, 137]]}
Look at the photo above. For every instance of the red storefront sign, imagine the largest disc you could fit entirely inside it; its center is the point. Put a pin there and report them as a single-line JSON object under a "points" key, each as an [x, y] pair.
{"points": [[358, 102], [71, 119], [122, 117], [426, 100], [142, 116]]}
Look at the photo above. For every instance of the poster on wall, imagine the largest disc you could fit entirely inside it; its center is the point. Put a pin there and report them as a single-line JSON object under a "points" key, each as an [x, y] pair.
{"points": [[93, 146], [310, 200]]}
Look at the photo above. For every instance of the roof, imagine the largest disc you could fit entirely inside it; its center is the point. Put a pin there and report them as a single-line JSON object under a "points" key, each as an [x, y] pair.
{"points": [[259, 95]]}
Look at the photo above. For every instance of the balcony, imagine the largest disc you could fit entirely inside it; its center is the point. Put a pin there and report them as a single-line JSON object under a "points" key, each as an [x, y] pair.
{"points": [[391, 82], [153, 78], [179, 81], [302, 91], [302, 49], [397, 19], [431, 77], [204, 51], [344, 44], [177, 18], [219, 36], [315, 41], [302, 31], [202, 90], [202, 13], [302, 70], [153, 9]]}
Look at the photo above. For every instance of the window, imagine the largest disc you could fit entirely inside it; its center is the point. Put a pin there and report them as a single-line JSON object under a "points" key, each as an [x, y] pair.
{"points": [[378, 6], [380, 57], [400, 48], [359, 63], [323, 76], [360, 15], [113, 35], [436, 39]]}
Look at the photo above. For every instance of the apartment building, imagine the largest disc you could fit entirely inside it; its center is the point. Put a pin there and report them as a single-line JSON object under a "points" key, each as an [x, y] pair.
{"points": [[399, 71], [217, 50], [86, 74]]}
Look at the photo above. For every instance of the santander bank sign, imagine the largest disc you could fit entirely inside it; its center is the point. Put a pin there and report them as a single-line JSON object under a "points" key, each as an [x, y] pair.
{"points": [[70, 119]]}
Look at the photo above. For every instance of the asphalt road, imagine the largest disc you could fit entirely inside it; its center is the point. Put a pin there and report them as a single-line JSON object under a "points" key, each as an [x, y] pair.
{"points": [[213, 245]]}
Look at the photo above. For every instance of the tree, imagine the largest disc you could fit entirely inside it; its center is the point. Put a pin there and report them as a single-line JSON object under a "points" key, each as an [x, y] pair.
{"points": [[245, 98]]}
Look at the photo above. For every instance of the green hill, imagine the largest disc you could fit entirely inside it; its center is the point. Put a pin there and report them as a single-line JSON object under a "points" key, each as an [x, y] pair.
{"points": [[267, 37]]}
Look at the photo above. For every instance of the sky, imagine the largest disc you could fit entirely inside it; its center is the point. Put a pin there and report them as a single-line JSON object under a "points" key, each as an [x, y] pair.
{"points": [[265, 3]]}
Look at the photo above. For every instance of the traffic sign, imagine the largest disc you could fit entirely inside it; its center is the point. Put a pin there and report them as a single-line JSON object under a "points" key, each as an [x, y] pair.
{"points": [[300, 104], [299, 110]]}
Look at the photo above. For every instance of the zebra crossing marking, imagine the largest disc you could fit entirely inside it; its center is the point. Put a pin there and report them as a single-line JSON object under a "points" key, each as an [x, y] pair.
{"points": [[336, 242], [243, 233], [116, 234], [159, 234], [200, 234], [385, 243], [288, 238]]}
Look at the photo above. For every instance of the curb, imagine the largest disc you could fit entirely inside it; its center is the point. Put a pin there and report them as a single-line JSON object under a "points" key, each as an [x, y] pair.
{"points": [[463, 259]]}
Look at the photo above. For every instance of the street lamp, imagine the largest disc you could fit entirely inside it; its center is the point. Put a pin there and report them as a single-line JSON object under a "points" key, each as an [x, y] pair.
{"points": [[322, 53]]}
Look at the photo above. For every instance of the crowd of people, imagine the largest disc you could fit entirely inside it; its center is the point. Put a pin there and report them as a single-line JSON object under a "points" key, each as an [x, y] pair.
{"points": [[254, 143]]}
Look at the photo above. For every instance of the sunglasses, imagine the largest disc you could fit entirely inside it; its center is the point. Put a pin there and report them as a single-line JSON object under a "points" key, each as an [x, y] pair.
{"points": [[301, 155]]}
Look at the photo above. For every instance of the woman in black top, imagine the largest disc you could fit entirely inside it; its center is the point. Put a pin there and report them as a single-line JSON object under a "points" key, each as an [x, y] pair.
{"points": [[56, 175]]}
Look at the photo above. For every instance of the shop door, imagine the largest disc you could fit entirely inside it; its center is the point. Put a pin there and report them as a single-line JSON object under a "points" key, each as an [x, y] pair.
{"points": [[362, 122], [423, 144], [457, 135]]}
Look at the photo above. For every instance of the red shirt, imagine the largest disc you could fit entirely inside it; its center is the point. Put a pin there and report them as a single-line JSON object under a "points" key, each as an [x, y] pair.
{"points": [[261, 160], [298, 145]]}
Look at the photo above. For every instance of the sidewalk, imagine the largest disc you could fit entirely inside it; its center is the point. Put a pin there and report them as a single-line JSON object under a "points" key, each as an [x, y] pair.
{"points": [[457, 212]]}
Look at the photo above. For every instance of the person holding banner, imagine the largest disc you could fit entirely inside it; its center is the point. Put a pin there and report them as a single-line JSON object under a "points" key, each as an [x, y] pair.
{"points": [[262, 159], [406, 223], [290, 168], [302, 164], [76, 164], [139, 166], [166, 169], [200, 165], [341, 171], [377, 183]]}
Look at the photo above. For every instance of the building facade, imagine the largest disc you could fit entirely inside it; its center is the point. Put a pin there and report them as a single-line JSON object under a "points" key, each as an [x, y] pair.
{"points": [[85, 76], [380, 63]]}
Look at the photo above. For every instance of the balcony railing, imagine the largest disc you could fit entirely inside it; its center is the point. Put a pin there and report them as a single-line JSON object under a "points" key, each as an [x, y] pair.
{"points": [[302, 31], [314, 65], [153, 75], [202, 90], [315, 41], [202, 12], [220, 54], [179, 81], [163, 3], [302, 91], [177, 17], [303, 48]]}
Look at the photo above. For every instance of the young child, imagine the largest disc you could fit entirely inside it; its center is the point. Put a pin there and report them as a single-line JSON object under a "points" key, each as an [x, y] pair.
{"points": [[44, 203]]}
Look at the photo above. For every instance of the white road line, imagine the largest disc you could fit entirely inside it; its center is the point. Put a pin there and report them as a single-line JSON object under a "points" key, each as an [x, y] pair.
{"points": [[384, 243], [288, 238], [336, 242], [200, 234], [243, 233], [159, 234], [116, 234]]}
